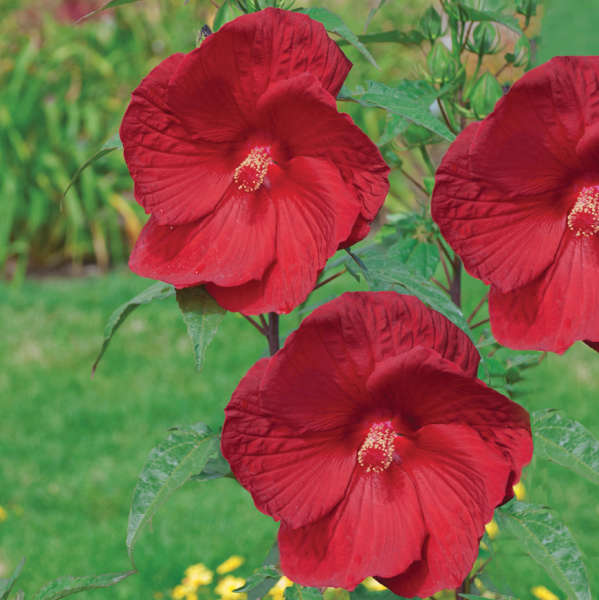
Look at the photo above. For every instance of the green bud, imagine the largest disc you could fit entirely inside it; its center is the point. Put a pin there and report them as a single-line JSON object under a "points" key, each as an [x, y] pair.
{"points": [[416, 135], [441, 64], [528, 8], [484, 96], [430, 24], [485, 39], [521, 55]]}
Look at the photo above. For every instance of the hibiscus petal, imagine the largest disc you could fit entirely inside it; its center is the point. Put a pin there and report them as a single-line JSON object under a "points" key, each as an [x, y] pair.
{"points": [[489, 227], [233, 245], [301, 113], [556, 309], [294, 477], [341, 343], [177, 179], [310, 220], [453, 472], [246, 56], [447, 396], [376, 529]]}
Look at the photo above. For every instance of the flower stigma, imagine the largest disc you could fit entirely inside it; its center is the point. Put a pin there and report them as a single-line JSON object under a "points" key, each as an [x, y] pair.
{"points": [[250, 173], [583, 219], [376, 453]]}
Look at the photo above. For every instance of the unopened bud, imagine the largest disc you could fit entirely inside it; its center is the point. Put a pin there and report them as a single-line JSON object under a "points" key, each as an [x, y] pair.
{"points": [[485, 39], [430, 24], [521, 55], [441, 64], [484, 96], [528, 8]]}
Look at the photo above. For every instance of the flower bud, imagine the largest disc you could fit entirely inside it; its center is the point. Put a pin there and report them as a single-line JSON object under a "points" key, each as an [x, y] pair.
{"points": [[441, 64], [430, 24], [521, 55], [528, 8], [485, 39], [416, 135], [485, 93]]}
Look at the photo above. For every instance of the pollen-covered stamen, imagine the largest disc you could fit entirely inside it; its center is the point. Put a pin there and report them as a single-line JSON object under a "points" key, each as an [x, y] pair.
{"points": [[376, 453], [250, 174], [583, 219]]}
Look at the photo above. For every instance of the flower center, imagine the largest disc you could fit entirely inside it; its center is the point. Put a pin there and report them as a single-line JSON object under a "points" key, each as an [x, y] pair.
{"points": [[250, 174], [583, 219], [376, 453]]}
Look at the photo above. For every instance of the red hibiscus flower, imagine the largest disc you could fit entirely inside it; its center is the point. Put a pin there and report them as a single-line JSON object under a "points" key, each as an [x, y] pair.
{"points": [[252, 177], [369, 437], [517, 197]]}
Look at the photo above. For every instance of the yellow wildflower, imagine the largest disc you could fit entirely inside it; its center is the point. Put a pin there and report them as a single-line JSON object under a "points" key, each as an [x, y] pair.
{"points": [[3, 514], [181, 592], [191, 596], [372, 585], [277, 591], [226, 588], [492, 529], [197, 575], [520, 491], [232, 563], [542, 593]]}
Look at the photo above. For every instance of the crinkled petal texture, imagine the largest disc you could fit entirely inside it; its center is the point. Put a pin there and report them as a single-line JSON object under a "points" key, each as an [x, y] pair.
{"points": [[558, 307], [298, 421], [263, 85], [502, 197]]}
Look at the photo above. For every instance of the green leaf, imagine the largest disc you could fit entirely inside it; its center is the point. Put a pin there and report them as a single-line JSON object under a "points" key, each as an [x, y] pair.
{"points": [[185, 452], [567, 443], [299, 592], [549, 542], [473, 14], [114, 143], [157, 291], [6, 584], [65, 586], [223, 14], [335, 24], [215, 468], [392, 269], [406, 100], [260, 582], [202, 317], [111, 4], [394, 36], [373, 12]]}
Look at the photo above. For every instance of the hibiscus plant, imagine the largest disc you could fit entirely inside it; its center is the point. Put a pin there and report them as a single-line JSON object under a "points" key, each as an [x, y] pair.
{"points": [[383, 434]]}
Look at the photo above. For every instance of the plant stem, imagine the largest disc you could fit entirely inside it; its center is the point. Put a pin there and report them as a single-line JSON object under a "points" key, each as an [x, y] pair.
{"points": [[444, 263], [272, 333], [414, 181], [321, 283], [455, 286], [478, 307], [427, 159], [250, 320], [439, 284], [479, 324], [445, 116]]}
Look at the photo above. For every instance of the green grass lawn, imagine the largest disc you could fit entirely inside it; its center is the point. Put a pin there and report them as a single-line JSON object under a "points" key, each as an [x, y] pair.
{"points": [[71, 446]]}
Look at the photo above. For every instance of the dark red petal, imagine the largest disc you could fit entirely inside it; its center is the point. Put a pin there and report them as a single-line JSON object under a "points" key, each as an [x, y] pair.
{"points": [[314, 209], [447, 396], [377, 528], [233, 245], [556, 309], [459, 480], [301, 113], [489, 226], [176, 178], [242, 59], [291, 476]]}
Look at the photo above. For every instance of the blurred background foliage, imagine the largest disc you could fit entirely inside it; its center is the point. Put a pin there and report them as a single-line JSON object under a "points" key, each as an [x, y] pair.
{"points": [[71, 448]]}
